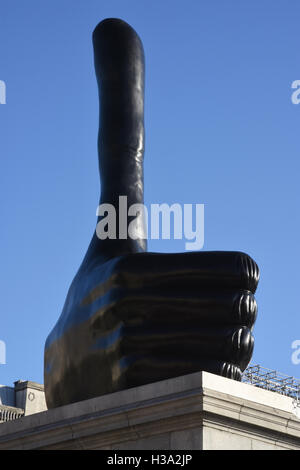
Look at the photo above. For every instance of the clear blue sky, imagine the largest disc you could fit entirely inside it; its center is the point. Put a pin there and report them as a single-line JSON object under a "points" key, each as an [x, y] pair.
{"points": [[220, 130]]}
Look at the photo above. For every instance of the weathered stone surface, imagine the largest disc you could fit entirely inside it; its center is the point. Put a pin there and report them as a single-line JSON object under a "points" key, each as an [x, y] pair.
{"points": [[195, 411]]}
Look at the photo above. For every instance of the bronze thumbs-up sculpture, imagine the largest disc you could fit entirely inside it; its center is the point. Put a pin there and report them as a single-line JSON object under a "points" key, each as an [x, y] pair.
{"points": [[133, 317]]}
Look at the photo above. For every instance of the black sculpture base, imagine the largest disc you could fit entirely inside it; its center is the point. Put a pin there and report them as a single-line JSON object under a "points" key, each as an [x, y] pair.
{"points": [[147, 317]]}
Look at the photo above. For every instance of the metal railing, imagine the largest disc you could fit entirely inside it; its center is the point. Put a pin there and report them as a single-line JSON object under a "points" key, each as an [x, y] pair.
{"points": [[272, 380]]}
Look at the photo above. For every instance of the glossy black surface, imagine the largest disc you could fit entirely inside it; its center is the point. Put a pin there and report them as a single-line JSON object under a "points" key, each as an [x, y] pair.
{"points": [[132, 317]]}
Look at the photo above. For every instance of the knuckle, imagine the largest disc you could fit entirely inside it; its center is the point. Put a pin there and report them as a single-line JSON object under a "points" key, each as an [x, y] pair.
{"points": [[248, 270], [241, 344], [245, 308]]}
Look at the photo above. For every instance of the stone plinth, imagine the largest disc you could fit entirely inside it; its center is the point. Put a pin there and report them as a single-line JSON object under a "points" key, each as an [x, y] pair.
{"points": [[30, 396], [196, 411], [25, 398]]}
